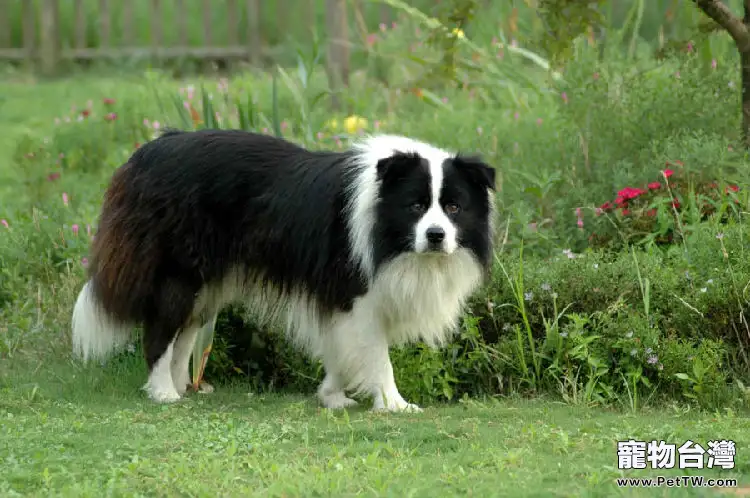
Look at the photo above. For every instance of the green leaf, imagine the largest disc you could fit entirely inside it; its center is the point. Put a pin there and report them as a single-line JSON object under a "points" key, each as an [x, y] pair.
{"points": [[202, 349], [275, 105]]}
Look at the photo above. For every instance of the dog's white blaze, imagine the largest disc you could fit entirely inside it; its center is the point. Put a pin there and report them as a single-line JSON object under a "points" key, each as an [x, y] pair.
{"points": [[435, 215]]}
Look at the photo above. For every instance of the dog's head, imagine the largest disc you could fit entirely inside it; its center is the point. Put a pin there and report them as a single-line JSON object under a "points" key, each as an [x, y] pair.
{"points": [[433, 203]]}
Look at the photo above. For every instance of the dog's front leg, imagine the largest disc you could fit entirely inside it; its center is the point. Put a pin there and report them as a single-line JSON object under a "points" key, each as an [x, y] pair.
{"points": [[357, 350]]}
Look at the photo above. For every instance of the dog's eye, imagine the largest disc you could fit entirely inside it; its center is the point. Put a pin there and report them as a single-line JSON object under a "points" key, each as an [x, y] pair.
{"points": [[418, 207], [452, 208]]}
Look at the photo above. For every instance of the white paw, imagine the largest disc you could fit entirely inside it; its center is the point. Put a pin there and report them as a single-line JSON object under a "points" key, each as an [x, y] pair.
{"points": [[394, 403], [163, 395], [337, 402], [398, 407]]}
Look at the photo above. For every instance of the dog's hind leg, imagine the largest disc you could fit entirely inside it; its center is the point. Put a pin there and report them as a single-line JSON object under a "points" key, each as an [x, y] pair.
{"points": [[183, 350], [173, 304], [181, 354]]}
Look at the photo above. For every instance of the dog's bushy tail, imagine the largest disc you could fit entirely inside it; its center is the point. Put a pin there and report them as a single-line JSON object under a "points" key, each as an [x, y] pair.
{"points": [[96, 334]]}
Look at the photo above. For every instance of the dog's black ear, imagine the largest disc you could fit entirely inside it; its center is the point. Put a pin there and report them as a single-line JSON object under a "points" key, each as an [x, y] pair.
{"points": [[476, 170], [398, 165]]}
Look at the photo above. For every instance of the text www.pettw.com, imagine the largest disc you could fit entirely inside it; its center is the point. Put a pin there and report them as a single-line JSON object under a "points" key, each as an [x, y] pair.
{"points": [[675, 482]]}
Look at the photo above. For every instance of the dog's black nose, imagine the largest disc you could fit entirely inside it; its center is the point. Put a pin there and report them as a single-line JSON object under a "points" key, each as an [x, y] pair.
{"points": [[435, 235]]}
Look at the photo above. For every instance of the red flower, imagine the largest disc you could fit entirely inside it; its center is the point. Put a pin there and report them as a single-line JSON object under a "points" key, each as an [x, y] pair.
{"points": [[53, 176], [733, 188], [676, 204], [654, 185], [625, 212], [629, 193], [620, 201], [108, 101], [651, 212], [85, 113], [667, 173], [606, 206]]}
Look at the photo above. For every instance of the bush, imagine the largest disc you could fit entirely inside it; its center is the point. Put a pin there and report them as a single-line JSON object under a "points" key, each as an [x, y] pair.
{"points": [[607, 288]]}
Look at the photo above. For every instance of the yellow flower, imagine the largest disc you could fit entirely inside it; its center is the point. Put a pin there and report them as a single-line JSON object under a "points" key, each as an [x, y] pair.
{"points": [[458, 33], [354, 123], [332, 124]]}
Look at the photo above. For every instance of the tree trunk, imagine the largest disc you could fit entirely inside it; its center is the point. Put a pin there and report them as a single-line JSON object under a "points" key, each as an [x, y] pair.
{"points": [[338, 49], [739, 29], [745, 71]]}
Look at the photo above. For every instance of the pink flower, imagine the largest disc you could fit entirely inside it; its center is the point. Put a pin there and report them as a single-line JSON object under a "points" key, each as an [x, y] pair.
{"points": [[444, 100], [654, 185], [75, 229], [516, 115], [667, 173], [714, 64], [383, 27], [284, 125], [156, 125], [65, 199], [53, 176], [4, 223], [109, 101], [629, 193], [110, 117], [690, 47], [564, 96], [371, 39], [539, 121], [85, 262]]}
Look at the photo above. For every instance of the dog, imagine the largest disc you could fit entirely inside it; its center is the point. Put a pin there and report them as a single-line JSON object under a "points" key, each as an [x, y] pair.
{"points": [[352, 251]]}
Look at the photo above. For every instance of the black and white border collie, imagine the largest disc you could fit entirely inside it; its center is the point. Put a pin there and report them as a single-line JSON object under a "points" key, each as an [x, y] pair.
{"points": [[354, 251]]}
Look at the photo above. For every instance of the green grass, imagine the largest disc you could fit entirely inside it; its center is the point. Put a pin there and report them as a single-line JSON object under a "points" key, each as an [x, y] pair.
{"points": [[76, 432], [70, 430]]}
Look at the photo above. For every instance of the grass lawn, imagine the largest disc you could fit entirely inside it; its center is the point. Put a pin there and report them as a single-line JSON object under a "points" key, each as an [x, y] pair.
{"points": [[71, 431]]}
